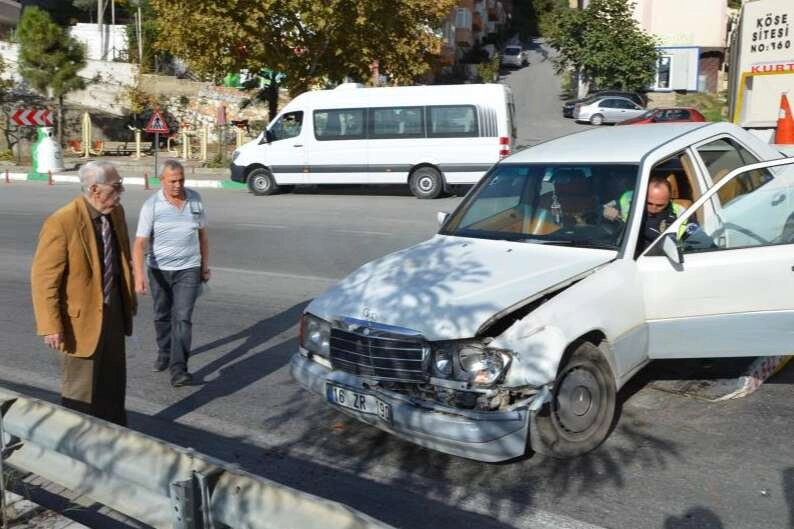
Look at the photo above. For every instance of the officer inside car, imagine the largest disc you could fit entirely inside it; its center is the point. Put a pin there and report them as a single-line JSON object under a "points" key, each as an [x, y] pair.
{"points": [[660, 211]]}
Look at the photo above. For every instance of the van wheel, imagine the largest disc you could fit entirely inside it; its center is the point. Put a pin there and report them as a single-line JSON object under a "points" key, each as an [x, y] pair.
{"points": [[426, 182], [261, 182], [580, 414], [597, 119]]}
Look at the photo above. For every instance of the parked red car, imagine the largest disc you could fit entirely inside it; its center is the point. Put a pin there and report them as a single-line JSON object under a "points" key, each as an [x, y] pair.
{"points": [[665, 115]]}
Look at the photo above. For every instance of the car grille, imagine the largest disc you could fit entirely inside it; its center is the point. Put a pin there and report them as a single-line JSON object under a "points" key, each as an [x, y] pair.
{"points": [[374, 355]]}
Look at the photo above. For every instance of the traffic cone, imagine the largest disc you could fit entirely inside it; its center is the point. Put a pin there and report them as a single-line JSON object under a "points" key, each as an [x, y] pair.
{"points": [[785, 123]]}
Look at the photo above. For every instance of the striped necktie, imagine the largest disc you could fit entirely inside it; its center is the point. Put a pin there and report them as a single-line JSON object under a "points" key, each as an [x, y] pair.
{"points": [[107, 245]]}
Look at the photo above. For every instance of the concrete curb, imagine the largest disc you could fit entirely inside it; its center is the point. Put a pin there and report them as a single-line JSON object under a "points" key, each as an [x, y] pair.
{"points": [[132, 180]]}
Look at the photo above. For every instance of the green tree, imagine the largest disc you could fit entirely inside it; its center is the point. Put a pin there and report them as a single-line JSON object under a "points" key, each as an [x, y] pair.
{"points": [[49, 59], [605, 44], [309, 40]]}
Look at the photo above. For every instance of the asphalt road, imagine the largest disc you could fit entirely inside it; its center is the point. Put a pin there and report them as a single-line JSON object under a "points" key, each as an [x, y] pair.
{"points": [[671, 463]]}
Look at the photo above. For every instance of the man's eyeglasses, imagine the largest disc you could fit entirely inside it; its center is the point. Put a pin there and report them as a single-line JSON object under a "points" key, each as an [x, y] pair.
{"points": [[117, 186]]}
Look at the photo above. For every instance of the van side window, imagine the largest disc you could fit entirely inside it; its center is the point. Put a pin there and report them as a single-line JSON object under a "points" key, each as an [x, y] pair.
{"points": [[287, 126], [397, 122], [453, 121], [339, 124]]}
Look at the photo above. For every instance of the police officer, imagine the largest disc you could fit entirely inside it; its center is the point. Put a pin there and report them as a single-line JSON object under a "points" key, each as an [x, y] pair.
{"points": [[660, 212]]}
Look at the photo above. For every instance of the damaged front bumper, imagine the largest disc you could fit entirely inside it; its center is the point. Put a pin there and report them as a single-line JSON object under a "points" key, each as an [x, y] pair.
{"points": [[489, 436]]}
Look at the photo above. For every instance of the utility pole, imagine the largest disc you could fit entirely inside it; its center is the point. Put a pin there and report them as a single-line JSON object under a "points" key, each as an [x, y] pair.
{"points": [[100, 13]]}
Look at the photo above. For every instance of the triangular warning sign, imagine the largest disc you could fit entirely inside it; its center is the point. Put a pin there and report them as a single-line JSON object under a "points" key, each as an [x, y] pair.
{"points": [[156, 123]]}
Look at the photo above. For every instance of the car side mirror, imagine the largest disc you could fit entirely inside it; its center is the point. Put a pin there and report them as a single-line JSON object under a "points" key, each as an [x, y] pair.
{"points": [[671, 249], [441, 217], [267, 138]]}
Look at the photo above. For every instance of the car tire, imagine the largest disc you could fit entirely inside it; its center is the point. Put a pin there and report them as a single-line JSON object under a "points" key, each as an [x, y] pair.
{"points": [[261, 182], [596, 119], [582, 408], [426, 183]]}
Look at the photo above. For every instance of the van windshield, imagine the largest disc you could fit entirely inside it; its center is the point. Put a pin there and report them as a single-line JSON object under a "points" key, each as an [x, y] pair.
{"points": [[581, 205]]}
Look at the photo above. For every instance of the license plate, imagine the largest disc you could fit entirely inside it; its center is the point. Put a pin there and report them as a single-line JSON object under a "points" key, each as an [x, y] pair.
{"points": [[360, 402]]}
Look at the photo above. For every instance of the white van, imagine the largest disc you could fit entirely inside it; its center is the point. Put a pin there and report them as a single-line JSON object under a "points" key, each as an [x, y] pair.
{"points": [[428, 137]]}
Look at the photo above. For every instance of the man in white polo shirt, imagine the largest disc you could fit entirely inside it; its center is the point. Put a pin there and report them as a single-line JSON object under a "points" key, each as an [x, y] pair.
{"points": [[172, 227]]}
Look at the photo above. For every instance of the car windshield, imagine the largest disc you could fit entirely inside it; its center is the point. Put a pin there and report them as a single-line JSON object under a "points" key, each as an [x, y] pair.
{"points": [[512, 51], [646, 114], [560, 204]]}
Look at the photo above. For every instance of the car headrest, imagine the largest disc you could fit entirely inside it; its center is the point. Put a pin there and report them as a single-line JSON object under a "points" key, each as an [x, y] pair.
{"points": [[571, 181]]}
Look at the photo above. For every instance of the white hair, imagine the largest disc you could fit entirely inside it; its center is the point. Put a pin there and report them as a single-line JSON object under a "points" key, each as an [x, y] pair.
{"points": [[95, 172]]}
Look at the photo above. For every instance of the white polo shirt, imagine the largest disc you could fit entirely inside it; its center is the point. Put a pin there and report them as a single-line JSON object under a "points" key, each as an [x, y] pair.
{"points": [[172, 232]]}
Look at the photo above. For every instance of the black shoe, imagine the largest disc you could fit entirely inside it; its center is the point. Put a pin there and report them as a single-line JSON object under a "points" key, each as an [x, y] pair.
{"points": [[161, 364], [182, 379]]}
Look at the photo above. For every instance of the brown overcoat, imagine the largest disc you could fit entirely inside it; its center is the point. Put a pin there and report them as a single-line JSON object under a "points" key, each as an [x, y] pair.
{"points": [[66, 278]]}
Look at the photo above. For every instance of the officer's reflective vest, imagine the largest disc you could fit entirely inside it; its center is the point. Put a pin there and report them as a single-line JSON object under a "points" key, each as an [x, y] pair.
{"points": [[624, 204]]}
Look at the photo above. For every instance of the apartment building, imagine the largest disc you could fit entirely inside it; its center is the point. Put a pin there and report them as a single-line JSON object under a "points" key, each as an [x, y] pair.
{"points": [[468, 23], [692, 41]]}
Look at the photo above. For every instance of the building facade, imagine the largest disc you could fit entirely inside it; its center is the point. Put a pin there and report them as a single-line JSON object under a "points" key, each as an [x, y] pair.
{"points": [[692, 40]]}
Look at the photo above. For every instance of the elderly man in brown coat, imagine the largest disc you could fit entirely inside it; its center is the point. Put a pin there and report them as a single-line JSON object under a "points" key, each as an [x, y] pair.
{"points": [[83, 295]]}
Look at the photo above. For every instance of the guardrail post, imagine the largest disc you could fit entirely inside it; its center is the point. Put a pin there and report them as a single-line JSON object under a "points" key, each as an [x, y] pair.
{"points": [[137, 144], [190, 499], [4, 405]]}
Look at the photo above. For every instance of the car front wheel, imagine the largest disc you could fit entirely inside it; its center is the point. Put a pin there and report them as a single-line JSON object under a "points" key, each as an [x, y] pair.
{"points": [[261, 182], [583, 405], [597, 119]]}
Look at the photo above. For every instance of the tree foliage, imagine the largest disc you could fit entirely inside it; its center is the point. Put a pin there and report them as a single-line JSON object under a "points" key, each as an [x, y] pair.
{"points": [[606, 44], [310, 40], [49, 58]]}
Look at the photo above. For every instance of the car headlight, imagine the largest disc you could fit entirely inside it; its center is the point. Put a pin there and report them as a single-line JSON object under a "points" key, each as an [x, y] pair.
{"points": [[443, 362], [470, 362], [315, 335], [484, 366]]}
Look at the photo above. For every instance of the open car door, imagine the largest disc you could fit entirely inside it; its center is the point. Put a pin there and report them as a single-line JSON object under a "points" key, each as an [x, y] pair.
{"points": [[723, 285]]}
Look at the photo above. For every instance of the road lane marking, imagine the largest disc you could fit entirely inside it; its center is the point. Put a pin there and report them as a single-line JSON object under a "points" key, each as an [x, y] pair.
{"points": [[265, 226], [363, 232], [275, 274]]}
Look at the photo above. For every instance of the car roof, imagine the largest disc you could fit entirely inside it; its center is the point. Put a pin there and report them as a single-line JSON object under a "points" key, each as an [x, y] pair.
{"points": [[615, 144]]}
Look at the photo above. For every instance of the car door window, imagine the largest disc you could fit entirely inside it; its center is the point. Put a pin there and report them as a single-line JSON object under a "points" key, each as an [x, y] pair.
{"points": [[723, 156], [762, 216], [608, 103], [288, 126]]}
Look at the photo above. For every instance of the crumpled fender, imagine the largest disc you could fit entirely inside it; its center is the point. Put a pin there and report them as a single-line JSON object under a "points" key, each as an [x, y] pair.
{"points": [[537, 350]]}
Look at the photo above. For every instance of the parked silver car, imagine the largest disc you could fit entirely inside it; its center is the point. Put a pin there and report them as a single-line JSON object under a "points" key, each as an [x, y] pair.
{"points": [[607, 110], [515, 55]]}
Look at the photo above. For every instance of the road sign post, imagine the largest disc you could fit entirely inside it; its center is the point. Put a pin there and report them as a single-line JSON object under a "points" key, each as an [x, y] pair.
{"points": [[156, 125]]}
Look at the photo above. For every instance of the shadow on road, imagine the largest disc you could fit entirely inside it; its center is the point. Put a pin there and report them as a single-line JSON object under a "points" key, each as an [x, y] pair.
{"points": [[694, 518], [235, 375]]}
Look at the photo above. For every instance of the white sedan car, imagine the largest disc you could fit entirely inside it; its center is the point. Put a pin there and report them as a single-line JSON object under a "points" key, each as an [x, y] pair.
{"points": [[609, 109], [519, 322]]}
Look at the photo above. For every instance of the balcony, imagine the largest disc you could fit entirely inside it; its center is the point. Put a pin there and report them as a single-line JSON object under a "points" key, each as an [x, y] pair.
{"points": [[463, 37]]}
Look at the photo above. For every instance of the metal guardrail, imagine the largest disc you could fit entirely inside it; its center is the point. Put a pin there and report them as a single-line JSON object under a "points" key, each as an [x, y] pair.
{"points": [[152, 481]]}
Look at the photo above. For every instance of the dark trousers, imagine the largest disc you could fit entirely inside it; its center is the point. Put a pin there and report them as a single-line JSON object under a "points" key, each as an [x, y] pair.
{"points": [[174, 293], [97, 385]]}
